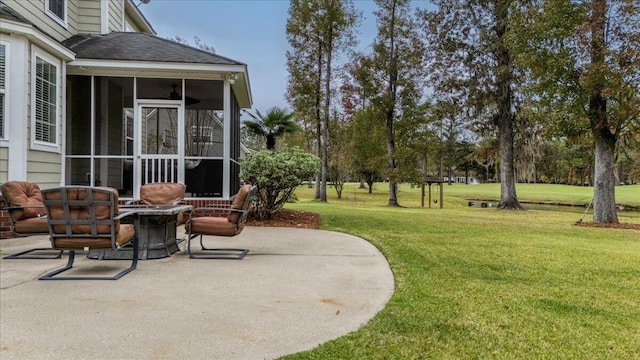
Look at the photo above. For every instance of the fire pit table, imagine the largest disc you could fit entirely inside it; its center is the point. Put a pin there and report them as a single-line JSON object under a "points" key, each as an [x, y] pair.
{"points": [[157, 233]]}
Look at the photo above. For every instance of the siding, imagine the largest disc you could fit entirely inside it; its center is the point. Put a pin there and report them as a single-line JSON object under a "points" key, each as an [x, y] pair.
{"points": [[4, 165], [116, 11], [88, 17], [35, 12], [43, 168]]}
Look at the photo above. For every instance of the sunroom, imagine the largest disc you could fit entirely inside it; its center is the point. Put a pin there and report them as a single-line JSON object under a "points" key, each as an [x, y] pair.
{"points": [[142, 109]]}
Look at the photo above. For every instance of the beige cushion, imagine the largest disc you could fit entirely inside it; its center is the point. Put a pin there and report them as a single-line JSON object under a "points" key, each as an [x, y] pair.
{"points": [[212, 225], [125, 235], [238, 203], [24, 194], [31, 226], [163, 194]]}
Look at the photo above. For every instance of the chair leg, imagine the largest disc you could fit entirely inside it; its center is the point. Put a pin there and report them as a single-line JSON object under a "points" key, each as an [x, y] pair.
{"points": [[134, 264], [23, 254], [215, 253], [49, 276]]}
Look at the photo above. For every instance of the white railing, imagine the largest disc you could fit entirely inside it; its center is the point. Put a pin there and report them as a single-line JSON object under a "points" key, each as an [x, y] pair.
{"points": [[159, 170]]}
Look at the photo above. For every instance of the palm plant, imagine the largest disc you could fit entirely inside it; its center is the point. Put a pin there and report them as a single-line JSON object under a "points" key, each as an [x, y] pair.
{"points": [[275, 123]]}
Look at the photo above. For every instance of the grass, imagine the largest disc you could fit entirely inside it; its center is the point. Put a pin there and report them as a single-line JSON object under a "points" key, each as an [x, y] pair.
{"points": [[474, 283]]}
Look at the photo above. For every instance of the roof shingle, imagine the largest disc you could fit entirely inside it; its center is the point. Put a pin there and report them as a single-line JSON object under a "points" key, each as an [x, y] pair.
{"points": [[134, 46]]}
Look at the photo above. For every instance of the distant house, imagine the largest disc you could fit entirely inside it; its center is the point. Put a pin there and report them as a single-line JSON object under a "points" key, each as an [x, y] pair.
{"points": [[89, 95]]}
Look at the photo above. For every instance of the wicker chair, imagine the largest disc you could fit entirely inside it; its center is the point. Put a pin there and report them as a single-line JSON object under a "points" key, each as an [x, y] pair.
{"points": [[85, 218], [207, 221]]}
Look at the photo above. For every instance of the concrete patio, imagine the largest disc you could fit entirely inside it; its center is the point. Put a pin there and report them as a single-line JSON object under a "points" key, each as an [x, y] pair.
{"points": [[295, 290]]}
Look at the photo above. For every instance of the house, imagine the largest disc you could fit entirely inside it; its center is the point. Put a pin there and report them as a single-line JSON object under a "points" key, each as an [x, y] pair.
{"points": [[89, 95]]}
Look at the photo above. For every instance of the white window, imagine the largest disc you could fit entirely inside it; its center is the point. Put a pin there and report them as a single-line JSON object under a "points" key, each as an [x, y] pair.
{"points": [[3, 89], [202, 135], [57, 10], [128, 132], [46, 97]]}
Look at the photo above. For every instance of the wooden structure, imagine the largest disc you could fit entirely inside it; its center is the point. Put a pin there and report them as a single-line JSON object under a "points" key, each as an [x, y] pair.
{"points": [[440, 188]]}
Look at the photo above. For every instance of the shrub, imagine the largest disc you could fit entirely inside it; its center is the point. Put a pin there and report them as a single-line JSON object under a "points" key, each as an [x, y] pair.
{"points": [[276, 175]]}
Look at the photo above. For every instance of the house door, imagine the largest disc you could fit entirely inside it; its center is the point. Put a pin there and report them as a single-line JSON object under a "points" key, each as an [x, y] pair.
{"points": [[160, 143]]}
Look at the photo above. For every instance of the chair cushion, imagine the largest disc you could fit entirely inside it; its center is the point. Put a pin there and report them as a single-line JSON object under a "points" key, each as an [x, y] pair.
{"points": [[33, 225], [23, 193], [82, 212], [126, 234], [162, 193], [212, 225], [238, 203]]}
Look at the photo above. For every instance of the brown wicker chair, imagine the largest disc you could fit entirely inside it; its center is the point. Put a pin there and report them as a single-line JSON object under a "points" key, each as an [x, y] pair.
{"points": [[23, 202], [85, 218], [201, 222]]}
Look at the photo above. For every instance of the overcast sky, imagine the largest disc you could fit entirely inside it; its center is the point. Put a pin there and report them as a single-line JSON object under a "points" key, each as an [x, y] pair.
{"points": [[249, 31]]}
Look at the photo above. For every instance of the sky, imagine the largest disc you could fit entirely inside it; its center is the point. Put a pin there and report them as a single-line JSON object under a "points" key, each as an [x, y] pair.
{"points": [[248, 31]]}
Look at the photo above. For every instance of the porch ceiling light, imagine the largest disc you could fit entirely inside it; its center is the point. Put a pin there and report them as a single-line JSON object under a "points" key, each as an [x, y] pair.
{"points": [[232, 77]]}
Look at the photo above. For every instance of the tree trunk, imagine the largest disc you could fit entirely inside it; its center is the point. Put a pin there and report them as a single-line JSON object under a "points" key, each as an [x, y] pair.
{"points": [[271, 141], [604, 190], [391, 89], [319, 177], [393, 194], [504, 76], [327, 106], [370, 180], [508, 197]]}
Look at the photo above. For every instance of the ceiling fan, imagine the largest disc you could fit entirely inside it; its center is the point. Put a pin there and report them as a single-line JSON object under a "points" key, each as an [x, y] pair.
{"points": [[174, 95]]}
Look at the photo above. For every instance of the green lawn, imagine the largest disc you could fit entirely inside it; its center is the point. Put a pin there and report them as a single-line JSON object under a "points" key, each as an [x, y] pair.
{"points": [[474, 283]]}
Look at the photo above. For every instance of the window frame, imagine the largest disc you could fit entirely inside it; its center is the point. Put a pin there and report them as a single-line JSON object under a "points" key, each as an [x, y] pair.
{"points": [[198, 135], [53, 61], [4, 93], [60, 20]]}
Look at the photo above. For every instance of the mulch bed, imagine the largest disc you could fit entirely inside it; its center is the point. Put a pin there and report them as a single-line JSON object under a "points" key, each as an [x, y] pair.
{"points": [[611, 226], [289, 218], [310, 220]]}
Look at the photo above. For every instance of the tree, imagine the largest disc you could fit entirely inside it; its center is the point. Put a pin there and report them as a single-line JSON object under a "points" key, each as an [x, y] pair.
{"points": [[275, 123], [276, 174], [197, 43], [470, 60], [339, 170], [250, 139], [397, 65], [585, 56], [317, 31], [367, 152]]}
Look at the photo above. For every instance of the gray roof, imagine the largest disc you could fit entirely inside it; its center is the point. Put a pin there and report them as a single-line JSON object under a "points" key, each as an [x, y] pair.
{"points": [[134, 46]]}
